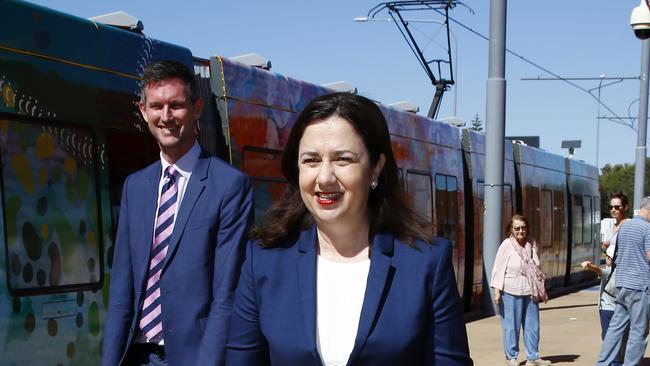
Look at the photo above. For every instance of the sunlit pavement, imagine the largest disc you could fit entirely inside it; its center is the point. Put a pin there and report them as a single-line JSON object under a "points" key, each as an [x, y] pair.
{"points": [[570, 333]]}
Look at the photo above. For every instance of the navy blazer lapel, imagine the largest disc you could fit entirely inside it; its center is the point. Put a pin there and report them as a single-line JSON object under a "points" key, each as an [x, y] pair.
{"points": [[193, 190], [147, 200], [306, 274], [380, 265]]}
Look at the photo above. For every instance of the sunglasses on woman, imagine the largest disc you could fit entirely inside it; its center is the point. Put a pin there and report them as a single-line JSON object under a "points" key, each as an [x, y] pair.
{"points": [[615, 207], [518, 228]]}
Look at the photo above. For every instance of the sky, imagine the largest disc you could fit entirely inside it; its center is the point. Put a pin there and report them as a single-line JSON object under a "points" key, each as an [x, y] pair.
{"points": [[318, 41]]}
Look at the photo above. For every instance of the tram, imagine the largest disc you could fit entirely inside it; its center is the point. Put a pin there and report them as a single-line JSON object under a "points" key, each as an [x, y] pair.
{"points": [[70, 133]]}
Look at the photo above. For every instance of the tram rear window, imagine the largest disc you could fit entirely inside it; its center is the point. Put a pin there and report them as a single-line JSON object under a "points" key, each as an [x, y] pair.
{"points": [[446, 206], [264, 166], [577, 213], [418, 186], [52, 234]]}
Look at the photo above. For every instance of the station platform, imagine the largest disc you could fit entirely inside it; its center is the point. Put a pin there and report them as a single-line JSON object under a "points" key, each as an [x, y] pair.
{"points": [[570, 333]]}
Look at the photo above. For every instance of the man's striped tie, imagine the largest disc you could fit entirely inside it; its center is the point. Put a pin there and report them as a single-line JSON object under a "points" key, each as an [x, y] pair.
{"points": [[150, 318]]}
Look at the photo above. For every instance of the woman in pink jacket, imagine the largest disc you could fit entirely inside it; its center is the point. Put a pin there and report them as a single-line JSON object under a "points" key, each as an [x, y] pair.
{"points": [[516, 262]]}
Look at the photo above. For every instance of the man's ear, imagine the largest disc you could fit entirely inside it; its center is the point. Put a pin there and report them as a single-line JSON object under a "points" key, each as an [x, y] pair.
{"points": [[143, 108], [198, 108]]}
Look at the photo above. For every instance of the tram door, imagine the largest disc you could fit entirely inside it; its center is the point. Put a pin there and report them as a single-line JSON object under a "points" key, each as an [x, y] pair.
{"points": [[545, 238], [447, 213]]}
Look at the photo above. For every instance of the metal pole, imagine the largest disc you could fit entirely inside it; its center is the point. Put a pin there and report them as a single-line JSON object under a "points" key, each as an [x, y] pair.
{"points": [[639, 167], [600, 84], [495, 121]]}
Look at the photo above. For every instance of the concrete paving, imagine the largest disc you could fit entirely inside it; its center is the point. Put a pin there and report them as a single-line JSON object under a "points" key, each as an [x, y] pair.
{"points": [[570, 333]]}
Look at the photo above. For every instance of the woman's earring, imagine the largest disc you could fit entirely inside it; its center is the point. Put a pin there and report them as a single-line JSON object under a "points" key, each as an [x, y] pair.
{"points": [[374, 183]]}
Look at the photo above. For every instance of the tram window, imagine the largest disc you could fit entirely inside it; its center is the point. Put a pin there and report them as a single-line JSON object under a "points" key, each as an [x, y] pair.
{"points": [[418, 186], [452, 211], [507, 204], [558, 216], [264, 167], [586, 219], [478, 215], [446, 206], [53, 234], [532, 210], [577, 220], [546, 216]]}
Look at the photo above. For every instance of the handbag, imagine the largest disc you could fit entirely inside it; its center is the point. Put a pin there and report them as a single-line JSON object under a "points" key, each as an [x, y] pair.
{"points": [[609, 286], [538, 287]]}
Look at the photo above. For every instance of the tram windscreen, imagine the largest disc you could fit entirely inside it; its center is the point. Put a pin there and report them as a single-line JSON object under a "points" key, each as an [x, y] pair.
{"points": [[51, 232]]}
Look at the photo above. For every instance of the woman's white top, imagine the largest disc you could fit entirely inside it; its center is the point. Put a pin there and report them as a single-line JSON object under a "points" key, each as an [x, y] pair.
{"points": [[340, 289]]}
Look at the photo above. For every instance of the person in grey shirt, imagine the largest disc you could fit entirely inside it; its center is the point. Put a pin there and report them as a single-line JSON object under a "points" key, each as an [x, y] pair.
{"points": [[633, 283]]}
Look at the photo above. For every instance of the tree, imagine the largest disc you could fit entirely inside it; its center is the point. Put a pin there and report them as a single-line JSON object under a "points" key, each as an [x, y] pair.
{"points": [[476, 124], [619, 178]]}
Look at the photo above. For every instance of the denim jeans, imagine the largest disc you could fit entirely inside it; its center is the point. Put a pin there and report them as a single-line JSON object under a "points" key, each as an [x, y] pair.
{"points": [[633, 309], [605, 318], [517, 312]]}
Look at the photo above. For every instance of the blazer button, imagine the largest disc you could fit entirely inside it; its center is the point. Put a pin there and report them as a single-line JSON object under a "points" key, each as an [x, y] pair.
{"points": [[130, 330]]}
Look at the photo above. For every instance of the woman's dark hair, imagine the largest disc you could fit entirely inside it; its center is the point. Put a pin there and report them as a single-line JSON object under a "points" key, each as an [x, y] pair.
{"points": [[621, 196], [517, 217], [388, 207]]}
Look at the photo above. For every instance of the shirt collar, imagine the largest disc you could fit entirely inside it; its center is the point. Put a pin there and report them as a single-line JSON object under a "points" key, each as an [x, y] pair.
{"points": [[186, 163]]}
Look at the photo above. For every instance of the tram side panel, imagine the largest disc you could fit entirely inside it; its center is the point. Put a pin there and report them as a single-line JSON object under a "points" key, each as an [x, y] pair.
{"points": [[584, 198], [429, 156], [474, 160], [58, 102], [542, 179], [258, 109]]}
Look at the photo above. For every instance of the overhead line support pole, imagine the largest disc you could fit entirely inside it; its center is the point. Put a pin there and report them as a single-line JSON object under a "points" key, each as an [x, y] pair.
{"points": [[641, 150], [495, 121]]}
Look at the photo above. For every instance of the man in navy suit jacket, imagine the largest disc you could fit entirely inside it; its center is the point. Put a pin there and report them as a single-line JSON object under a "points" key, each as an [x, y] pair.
{"points": [[195, 276]]}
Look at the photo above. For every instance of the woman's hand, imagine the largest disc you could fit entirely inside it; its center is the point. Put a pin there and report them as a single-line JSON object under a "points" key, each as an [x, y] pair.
{"points": [[604, 245], [497, 296]]}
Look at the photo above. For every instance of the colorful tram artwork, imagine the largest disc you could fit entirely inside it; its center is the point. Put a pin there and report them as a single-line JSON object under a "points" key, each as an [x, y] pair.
{"points": [[70, 132]]}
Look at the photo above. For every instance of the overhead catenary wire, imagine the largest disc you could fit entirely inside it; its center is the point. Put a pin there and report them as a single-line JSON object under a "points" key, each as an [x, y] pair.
{"points": [[616, 117]]}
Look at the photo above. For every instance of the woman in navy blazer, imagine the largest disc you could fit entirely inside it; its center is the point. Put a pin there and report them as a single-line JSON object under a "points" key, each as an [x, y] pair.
{"points": [[343, 271]]}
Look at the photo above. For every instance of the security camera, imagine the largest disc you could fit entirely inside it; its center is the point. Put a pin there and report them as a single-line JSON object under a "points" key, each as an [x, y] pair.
{"points": [[640, 20]]}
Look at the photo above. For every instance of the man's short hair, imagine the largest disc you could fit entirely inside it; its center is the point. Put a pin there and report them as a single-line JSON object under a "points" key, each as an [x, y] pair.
{"points": [[165, 70], [645, 203]]}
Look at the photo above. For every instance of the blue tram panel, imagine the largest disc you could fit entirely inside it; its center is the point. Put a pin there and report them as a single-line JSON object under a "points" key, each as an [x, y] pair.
{"points": [[68, 110]]}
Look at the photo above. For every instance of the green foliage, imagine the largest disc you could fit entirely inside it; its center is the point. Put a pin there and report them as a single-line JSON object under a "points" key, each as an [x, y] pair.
{"points": [[619, 178], [476, 124]]}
